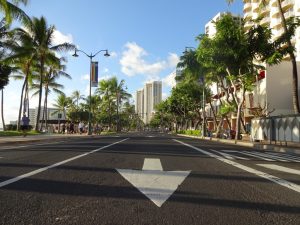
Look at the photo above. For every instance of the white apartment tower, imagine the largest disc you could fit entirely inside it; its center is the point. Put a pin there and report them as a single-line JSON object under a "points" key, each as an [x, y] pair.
{"points": [[139, 103], [147, 99], [210, 27], [278, 77], [271, 17]]}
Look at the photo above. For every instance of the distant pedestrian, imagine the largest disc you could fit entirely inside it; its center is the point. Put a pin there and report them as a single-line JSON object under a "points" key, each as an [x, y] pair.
{"points": [[68, 127], [71, 128], [63, 128], [80, 126], [25, 124]]}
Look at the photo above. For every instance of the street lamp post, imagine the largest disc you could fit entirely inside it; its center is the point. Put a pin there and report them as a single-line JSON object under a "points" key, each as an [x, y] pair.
{"points": [[203, 97], [91, 56]]}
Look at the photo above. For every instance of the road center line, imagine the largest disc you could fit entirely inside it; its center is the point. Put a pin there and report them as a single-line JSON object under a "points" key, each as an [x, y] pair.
{"points": [[267, 176], [13, 180]]}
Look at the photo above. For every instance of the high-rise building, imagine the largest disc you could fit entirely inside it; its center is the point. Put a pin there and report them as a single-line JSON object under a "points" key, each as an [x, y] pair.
{"points": [[270, 14], [147, 99], [210, 27], [139, 103]]}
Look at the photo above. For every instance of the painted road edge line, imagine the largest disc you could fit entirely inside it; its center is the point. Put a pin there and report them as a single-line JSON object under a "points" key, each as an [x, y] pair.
{"points": [[13, 180], [267, 176]]}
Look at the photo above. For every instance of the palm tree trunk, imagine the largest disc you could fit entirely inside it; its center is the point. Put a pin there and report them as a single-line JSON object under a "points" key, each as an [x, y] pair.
{"points": [[44, 110], [294, 63], [40, 95], [2, 114], [21, 104]]}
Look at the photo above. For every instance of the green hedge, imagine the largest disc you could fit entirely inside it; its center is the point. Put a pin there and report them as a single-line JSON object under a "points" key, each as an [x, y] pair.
{"points": [[190, 132]]}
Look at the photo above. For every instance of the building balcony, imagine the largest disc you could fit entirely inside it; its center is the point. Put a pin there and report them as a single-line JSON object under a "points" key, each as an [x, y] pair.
{"points": [[286, 4], [275, 12], [248, 15], [289, 13], [265, 20], [274, 3], [247, 6], [255, 7]]}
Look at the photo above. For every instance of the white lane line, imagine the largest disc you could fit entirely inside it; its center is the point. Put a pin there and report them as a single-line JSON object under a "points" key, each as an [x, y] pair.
{"points": [[152, 164], [257, 156], [24, 146], [227, 156], [280, 168], [13, 180], [267, 176]]}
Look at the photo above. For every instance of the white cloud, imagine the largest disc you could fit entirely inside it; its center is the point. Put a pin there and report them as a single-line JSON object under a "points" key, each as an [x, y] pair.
{"points": [[105, 70], [169, 81], [133, 61], [60, 38], [85, 77], [105, 77], [87, 90], [165, 96], [173, 59], [113, 54]]}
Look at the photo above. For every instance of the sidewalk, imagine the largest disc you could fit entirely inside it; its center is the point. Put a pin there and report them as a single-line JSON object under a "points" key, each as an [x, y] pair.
{"points": [[278, 147]]}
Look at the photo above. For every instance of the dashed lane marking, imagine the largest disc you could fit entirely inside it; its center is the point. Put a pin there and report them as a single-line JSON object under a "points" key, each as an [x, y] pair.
{"points": [[13, 180], [267, 176]]}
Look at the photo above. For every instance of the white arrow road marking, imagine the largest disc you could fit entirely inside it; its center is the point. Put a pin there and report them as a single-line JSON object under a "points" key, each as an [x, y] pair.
{"points": [[12, 180], [280, 168], [267, 176], [152, 181]]}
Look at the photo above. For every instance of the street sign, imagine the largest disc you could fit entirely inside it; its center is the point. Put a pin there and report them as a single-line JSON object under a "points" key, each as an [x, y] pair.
{"points": [[152, 181]]}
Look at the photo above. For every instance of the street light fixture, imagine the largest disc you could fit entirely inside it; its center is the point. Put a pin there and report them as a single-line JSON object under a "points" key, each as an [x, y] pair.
{"points": [[91, 56], [203, 94]]}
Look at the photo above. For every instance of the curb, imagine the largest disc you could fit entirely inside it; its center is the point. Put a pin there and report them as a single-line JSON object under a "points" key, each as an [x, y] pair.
{"points": [[248, 144]]}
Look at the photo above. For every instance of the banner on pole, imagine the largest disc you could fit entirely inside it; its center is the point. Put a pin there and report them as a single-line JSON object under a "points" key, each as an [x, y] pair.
{"points": [[94, 74]]}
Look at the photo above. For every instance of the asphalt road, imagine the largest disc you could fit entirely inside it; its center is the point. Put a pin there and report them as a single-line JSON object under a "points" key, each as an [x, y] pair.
{"points": [[147, 178]]}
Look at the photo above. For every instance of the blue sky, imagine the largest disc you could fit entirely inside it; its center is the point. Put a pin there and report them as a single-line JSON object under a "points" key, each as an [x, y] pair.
{"points": [[145, 39]]}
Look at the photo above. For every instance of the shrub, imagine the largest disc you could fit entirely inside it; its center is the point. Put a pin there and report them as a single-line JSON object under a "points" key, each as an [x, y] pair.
{"points": [[190, 132]]}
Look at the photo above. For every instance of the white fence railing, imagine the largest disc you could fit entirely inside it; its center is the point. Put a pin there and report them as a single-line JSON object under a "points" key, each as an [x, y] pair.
{"points": [[278, 128]]}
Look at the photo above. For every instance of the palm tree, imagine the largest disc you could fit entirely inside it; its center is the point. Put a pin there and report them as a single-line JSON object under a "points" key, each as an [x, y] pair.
{"points": [[53, 73], [25, 59], [61, 104], [77, 96], [106, 93], [45, 51], [120, 94], [11, 11]]}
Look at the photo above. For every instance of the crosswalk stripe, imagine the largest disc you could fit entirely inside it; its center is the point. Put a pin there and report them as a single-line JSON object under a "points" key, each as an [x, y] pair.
{"points": [[257, 156], [227, 156], [280, 168], [270, 156], [267, 176], [290, 157]]}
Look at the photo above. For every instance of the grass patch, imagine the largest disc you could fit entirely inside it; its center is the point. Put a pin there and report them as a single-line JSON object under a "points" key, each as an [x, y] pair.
{"points": [[190, 132], [17, 133]]}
